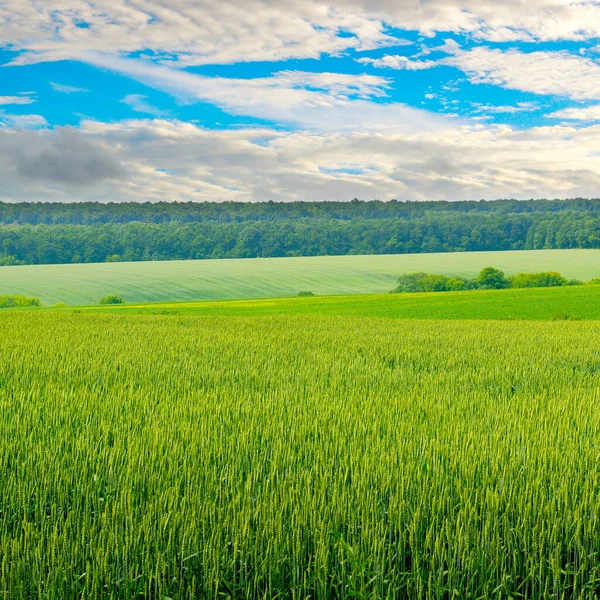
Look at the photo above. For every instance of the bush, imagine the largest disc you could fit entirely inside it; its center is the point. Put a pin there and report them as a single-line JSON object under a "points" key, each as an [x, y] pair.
{"points": [[492, 279], [7, 260], [410, 282], [60, 305], [18, 301], [306, 294], [425, 282], [536, 280], [488, 279], [112, 300]]}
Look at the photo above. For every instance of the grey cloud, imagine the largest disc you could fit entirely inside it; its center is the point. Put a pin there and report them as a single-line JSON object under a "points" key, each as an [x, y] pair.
{"points": [[62, 157]]}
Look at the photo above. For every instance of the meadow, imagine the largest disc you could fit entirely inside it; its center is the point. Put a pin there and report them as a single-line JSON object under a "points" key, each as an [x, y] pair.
{"points": [[578, 302], [137, 282], [297, 456]]}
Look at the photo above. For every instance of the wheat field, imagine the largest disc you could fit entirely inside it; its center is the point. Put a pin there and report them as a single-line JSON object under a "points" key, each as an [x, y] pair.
{"points": [[227, 279], [149, 456]]}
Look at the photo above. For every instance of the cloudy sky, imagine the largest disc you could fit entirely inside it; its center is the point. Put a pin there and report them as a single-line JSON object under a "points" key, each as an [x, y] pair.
{"points": [[299, 99]]}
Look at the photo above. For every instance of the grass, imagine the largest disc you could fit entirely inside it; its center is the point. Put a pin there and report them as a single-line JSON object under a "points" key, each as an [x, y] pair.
{"points": [[271, 277], [578, 302], [300, 456]]}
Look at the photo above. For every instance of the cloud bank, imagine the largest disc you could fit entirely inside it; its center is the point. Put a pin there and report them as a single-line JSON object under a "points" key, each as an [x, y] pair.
{"points": [[170, 160]]}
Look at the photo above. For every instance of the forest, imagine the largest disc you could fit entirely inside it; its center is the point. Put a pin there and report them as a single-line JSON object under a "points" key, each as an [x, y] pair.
{"points": [[55, 233]]}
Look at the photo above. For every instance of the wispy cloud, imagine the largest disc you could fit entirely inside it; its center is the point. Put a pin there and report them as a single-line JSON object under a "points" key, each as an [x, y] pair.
{"points": [[312, 100], [504, 109], [4, 100], [137, 102], [66, 89]]}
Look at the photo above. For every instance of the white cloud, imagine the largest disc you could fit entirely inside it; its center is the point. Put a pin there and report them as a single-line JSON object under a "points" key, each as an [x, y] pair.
{"points": [[588, 113], [546, 73], [506, 109], [398, 62], [4, 100], [169, 160], [550, 73], [196, 32], [210, 31], [21, 121], [509, 20], [66, 89]]}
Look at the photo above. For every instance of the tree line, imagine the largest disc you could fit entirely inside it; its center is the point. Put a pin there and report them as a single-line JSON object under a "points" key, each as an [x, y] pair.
{"points": [[77, 233], [94, 213], [489, 278]]}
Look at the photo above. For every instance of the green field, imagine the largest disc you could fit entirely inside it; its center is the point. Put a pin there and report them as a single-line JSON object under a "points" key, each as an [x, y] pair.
{"points": [[156, 456], [580, 302], [271, 277], [426, 446]]}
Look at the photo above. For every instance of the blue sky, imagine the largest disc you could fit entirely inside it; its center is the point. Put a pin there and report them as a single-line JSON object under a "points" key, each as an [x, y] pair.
{"points": [[298, 100]]}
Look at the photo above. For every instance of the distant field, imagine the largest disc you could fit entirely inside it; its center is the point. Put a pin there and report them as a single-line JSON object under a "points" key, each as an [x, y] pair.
{"points": [[270, 277], [581, 302]]}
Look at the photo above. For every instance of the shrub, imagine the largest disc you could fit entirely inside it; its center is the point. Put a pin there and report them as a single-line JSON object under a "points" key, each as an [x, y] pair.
{"points": [[456, 284], [18, 301], [536, 280], [60, 305], [8, 260], [112, 300], [425, 282], [305, 294], [492, 279], [410, 282], [595, 281], [488, 279]]}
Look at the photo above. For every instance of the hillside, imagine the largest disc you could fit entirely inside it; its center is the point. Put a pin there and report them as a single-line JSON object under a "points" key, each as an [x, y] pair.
{"points": [[275, 277]]}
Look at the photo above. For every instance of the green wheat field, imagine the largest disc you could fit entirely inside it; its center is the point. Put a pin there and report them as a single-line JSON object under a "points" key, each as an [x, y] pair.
{"points": [[577, 302], [298, 456], [227, 279], [372, 446]]}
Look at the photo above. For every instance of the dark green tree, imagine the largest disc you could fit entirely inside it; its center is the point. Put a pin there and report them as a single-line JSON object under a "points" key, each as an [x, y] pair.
{"points": [[492, 279], [112, 299]]}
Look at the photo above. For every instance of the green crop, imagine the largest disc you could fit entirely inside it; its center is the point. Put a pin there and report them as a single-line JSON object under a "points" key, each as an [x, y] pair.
{"points": [[227, 279], [297, 457], [582, 302]]}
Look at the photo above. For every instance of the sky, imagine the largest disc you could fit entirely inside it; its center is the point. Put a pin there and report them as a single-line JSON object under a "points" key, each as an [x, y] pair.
{"points": [[286, 100]]}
